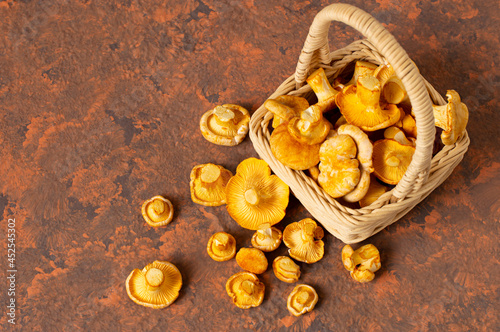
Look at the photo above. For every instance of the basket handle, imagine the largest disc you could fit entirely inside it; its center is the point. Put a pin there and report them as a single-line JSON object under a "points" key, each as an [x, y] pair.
{"points": [[316, 52]]}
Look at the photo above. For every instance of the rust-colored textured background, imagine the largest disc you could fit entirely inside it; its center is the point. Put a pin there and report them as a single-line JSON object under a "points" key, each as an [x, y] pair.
{"points": [[99, 110]]}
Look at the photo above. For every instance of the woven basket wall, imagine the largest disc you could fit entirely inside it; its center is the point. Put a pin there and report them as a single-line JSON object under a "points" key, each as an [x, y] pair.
{"points": [[425, 173]]}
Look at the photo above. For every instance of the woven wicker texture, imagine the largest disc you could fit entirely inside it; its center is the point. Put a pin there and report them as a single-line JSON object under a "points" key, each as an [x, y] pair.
{"points": [[425, 172]]}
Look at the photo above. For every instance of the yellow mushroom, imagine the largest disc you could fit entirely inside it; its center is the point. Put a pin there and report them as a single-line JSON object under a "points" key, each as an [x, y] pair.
{"points": [[157, 211], [254, 196], [409, 126], [267, 238], [361, 68], [311, 127], [252, 260], [362, 263], [225, 125], [284, 108], [452, 118], [156, 286], [302, 299], [245, 289], [208, 184], [292, 153], [399, 136], [339, 172], [323, 90], [221, 246], [393, 90], [391, 160], [303, 238], [374, 192], [360, 105], [285, 269]]}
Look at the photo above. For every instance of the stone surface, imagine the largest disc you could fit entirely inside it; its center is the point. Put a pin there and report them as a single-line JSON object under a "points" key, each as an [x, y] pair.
{"points": [[99, 110]]}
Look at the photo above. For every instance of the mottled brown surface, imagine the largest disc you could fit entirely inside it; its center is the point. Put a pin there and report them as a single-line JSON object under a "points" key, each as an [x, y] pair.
{"points": [[99, 104]]}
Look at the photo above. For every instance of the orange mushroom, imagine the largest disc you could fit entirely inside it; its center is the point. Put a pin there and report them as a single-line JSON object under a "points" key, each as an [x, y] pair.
{"points": [[221, 246], [284, 108], [245, 289], [302, 299], [323, 90], [252, 260], [157, 211], [225, 125], [391, 160], [303, 238], [208, 184], [362, 263], [311, 127], [452, 118]]}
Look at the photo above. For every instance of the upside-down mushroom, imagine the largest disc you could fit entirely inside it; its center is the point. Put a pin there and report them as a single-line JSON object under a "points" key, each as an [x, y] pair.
{"points": [[254, 196], [321, 86], [302, 299], [362, 263], [221, 246], [157, 211], [452, 118], [391, 160], [156, 286], [267, 238], [284, 108], [303, 238], [245, 289], [208, 184], [285, 269], [225, 125], [311, 127]]}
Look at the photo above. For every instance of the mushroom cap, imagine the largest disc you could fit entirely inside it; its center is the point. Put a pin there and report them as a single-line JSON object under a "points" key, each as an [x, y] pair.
{"points": [[303, 238], [360, 105], [398, 135], [322, 88], [252, 260], [311, 127], [267, 238], [225, 125], [362, 263], [452, 118], [285, 108], [292, 153], [409, 125], [254, 196], [339, 172], [221, 246], [157, 211], [375, 190], [285, 269], [302, 299], [391, 160], [361, 68], [245, 289], [208, 184], [156, 286]]}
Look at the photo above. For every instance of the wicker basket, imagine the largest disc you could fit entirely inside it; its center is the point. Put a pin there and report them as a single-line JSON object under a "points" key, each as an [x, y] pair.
{"points": [[425, 172]]}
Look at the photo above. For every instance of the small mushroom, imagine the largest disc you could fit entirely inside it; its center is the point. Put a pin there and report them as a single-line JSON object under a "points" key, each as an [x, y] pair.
{"points": [[221, 246], [157, 211], [292, 153], [391, 160], [252, 260], [374, 192], [208, 184], [245, 289], [267, 238], [452, 118], [360, 105], [156, 286], [302, 299], [323, 90], [254, 196], [362, 263], [393, 90], [225, 125], [284, 108], [339, 168], [399, 136], [303, 238], [311, 127], [285, 269], [409, 126]]}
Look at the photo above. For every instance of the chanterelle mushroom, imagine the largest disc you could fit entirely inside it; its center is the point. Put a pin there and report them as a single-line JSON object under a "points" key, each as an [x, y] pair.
{"points": [[254, 196], [302, 299], [362, 263], [360, 105], [361, 68], [267, 238], [452, 118], [156, 286], [311, 127], [285, 269], [225, 125], [157, 211], [391, 160], [245, 289], [303, 238], [374, 192], [323, 90], [393, 89], [252, 260], [208, 184], [221, 246], [284, 108]]}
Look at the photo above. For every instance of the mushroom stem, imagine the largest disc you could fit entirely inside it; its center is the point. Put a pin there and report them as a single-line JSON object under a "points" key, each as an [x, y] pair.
{"points": [[252, 196], [210, 173], [368, 90], [247, 287], [156, 209], [308, 232], [441, 117], [393, 161], [223, 115], [154, 277], [302, 298], [221, 240]]}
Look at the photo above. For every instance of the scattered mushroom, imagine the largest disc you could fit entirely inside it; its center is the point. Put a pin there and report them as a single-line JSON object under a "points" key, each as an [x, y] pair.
{"points": [[254, 196], [225, 125], [157, 211], [362, 263], [452, 118], [267, 238], [285, 269], [391, 160], [311, 127], [284, 108], [292, 153], [374, 192], [303, 238], [302, 299], [252, 260], [360, 105], [208, 184], [323, 90], [156, 286], [245, 289], [221, 246]]}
